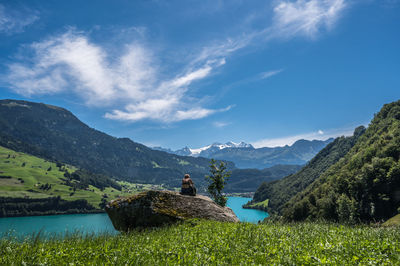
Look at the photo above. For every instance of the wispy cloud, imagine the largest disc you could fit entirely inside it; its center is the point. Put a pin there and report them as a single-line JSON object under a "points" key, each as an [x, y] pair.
{"points": [[317, 135], [72, 62], [15, 21], [307, 18], [269, 74]]}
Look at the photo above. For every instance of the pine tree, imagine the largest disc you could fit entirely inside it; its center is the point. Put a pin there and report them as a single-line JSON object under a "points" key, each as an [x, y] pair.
{"points": [[217, 180]]}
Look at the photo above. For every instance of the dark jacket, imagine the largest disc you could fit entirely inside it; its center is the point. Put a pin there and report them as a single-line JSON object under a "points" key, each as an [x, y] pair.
{"points": [[188, 187]]}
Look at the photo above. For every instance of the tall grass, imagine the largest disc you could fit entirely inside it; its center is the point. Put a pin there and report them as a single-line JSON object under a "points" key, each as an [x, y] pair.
{"points": [[206, 242]]}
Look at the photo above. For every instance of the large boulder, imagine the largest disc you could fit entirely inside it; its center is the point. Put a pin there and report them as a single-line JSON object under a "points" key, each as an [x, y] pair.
{"points": [[156, 208]]}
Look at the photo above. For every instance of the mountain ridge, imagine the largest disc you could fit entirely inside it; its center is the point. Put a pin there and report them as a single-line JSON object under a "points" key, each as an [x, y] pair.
{"points": [[186, 151], [364, 185], [279, 192], [246, 156], [55, 133]]}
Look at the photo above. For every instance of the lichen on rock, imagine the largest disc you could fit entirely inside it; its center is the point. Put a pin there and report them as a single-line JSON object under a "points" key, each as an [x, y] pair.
{"points": [[157, 208]]}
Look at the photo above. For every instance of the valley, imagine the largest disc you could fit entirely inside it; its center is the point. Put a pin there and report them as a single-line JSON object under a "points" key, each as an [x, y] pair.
{"points": [[28, 179]]}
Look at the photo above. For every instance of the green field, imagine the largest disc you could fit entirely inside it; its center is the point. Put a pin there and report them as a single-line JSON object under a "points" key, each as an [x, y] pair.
{"points": [[29, 174], [214, 243], [262, 204]]}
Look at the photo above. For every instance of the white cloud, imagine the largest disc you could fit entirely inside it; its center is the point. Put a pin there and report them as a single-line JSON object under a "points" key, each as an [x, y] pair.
{"points": [[167, 102], [195, 113], [71, 63], [289, 140], [269, 74], [161, 110], [188, 78], [306, 17], [14, 21], [216, 53]]}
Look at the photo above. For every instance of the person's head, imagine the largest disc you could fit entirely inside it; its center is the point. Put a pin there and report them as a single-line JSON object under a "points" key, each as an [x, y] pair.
{"points": [[187, 176]]}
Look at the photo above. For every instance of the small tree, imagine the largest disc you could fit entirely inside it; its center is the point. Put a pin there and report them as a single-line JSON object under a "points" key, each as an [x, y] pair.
{"points": [[217, 180]]}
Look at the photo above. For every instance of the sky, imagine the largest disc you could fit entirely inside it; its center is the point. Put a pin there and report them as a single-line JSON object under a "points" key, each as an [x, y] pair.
{"points": [[191, 73]]}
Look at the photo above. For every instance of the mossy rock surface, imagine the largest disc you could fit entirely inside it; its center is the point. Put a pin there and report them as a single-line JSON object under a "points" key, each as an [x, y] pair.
{"points": [[394, 221], [157, 208]]}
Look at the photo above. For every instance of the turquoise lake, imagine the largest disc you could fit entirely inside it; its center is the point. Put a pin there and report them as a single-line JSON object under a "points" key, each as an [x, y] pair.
{"points": [[97, 223]]}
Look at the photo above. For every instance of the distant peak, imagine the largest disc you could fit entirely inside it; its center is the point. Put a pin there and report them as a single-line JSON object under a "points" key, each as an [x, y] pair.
{"points": [[216, 144], [304, 142], [28, 104]]}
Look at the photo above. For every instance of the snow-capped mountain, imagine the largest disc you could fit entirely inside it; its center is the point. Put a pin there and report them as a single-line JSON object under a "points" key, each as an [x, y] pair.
{"points": [[216, 147], [207, 150], [246, 156]]}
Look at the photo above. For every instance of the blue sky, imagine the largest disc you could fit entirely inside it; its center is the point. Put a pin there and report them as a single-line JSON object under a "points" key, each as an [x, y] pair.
{"points": [[190, 73]]}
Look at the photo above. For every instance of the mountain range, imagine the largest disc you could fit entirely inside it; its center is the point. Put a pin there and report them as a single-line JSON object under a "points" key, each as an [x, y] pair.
{"points": [[205, 151], [57, 135], [246, 156]]}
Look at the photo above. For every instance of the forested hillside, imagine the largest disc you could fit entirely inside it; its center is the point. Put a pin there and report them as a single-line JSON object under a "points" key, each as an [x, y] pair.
{"points": [[362, 186], [56, 134], [279, 192]]}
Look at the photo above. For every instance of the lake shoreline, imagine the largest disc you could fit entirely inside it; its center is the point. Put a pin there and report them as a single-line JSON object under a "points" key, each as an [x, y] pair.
{"points": [[58, 213], [50, 212]]}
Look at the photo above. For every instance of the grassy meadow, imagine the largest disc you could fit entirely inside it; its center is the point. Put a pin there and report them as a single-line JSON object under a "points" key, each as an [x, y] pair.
{"points": [[262, 204], [207, 242], [28, 173]]}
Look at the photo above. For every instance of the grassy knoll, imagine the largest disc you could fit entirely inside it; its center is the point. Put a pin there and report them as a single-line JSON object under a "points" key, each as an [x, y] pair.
{"points": [[23, 175], [206, 242]]}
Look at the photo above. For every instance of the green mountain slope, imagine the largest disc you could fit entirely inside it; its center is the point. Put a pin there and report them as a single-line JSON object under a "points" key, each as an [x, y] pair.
{"points": [[30, 181], [362, 186], [279, 192], [55, 133]]}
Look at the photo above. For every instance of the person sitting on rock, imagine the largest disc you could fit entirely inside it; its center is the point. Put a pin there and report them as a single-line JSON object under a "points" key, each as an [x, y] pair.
{"points": [[188, 187]]}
